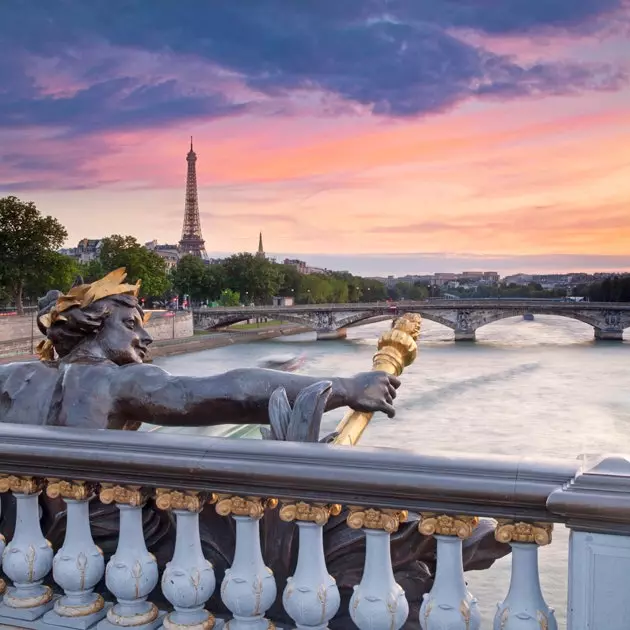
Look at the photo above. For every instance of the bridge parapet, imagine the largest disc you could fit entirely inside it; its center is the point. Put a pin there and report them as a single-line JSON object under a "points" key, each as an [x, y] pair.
{"points": [[294, 490]]}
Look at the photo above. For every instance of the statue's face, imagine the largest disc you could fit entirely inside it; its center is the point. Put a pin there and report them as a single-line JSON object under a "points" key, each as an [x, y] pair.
{"points": [[123, 337]]}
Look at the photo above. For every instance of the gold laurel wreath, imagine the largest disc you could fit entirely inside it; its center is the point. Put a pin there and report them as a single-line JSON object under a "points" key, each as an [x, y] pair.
{"points": [[82, 296]]}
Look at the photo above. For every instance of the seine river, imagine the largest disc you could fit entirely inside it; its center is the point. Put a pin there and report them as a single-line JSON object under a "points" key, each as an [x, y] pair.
{"points": [[541, 387]]}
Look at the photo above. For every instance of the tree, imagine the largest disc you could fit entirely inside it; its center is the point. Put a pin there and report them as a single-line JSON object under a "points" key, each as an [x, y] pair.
{"points": [[27, 240], [60, 272], [230, 298], [92, 270], [189, 278], [213, 281], [140, 263], [256, 278]]}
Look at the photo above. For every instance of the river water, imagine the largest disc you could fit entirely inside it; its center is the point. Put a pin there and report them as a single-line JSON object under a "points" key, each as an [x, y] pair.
{"points": [[539, 388]]}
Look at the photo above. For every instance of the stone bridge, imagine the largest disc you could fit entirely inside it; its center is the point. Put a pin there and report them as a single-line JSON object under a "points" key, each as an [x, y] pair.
{"points": [[330, 321]]}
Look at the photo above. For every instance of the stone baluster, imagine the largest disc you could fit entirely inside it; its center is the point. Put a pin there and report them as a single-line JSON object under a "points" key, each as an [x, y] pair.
{"points": [[188, 580], [132, 572], [79, 565], [378, 602], [248, 588], [311, 596], [524, 607], [28, 558], [449, 605]]}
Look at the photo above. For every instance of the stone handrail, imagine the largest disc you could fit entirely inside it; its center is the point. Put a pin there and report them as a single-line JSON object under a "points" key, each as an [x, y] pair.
{"points": [[307, 485], [431, 302]]}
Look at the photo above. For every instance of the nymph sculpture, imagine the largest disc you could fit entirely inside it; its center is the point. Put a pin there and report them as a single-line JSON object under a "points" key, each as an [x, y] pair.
{"points": [[92, 375]]}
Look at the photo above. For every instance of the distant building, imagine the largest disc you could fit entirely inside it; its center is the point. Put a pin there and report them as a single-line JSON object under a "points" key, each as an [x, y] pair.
{"points": [[282, 301], [440, 279], [300, 265], [518, 278], [86, 250], [170, 253], [261, 250]]}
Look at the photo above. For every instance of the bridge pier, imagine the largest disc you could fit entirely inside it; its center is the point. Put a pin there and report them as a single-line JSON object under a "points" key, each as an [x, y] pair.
{"points": [[327, 335], [608, 335], [465, 335]]}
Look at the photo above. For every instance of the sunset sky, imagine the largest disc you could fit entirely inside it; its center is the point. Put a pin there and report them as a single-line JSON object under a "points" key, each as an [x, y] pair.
{"points": [[378, 136]]}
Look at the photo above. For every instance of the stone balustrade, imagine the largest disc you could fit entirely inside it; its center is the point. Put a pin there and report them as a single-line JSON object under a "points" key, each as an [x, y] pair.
{"points": [[246, 481]]}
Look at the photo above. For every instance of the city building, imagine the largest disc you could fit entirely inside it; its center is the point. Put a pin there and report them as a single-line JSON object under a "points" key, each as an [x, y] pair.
{"points": [[192, 242], [521, 279], [170, 253], [86, 250], [300, 265], [282, 301]]}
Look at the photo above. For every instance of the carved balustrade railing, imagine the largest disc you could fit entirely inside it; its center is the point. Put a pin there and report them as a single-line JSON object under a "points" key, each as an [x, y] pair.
{"points": [[245, 483]]}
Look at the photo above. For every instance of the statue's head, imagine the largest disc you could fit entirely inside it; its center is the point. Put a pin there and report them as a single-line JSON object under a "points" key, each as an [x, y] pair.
{"points": [[105, 313]]}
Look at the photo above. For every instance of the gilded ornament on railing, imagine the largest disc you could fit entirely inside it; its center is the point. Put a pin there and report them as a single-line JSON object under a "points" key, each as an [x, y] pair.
{"points": [[128, 495], [508, 531], [370, 518], [254, 507], [189, 500], [317, 513], [461, 526], [21, 485], [397, 349], [74, 490]]}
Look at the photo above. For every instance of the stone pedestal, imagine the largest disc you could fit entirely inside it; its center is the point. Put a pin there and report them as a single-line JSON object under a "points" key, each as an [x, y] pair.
{"points": [[596, 506], [608, 335], [326, 335], [465, 335]]}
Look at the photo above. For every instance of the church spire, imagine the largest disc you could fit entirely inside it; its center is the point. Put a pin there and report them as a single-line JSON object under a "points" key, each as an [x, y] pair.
{"points": [[261, 252]]}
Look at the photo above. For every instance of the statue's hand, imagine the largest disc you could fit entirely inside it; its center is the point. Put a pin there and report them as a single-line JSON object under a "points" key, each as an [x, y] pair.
{"points": [[373, 391]]}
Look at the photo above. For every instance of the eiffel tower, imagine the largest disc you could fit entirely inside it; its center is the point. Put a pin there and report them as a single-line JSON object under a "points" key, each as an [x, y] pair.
{"points": [[192, 241]]}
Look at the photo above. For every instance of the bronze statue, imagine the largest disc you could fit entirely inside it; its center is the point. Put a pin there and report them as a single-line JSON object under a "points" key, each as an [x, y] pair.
{"points": [[92, 374]]}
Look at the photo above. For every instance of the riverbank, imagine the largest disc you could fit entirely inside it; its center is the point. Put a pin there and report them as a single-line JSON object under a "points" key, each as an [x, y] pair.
{"points": [[169, 347]]}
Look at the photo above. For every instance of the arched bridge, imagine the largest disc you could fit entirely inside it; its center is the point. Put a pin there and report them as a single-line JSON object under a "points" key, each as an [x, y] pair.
{"points": [[463, 316]]}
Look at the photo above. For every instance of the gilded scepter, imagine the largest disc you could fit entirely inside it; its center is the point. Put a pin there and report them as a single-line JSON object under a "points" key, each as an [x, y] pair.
{"points": [[397, 349]]}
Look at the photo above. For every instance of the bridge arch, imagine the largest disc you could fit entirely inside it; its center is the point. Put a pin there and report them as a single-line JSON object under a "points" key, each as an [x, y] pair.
{"points": [[438, 319], [497, 316], [224, 322]]}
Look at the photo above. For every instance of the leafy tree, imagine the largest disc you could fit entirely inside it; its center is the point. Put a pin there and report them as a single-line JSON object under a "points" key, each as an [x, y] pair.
{"points": [[27, 240], [229, 298], [314, 289], [213, 281], [59, 272], [257, 278], [92, 270], [189, 278], [141, 263], [290, 280]]}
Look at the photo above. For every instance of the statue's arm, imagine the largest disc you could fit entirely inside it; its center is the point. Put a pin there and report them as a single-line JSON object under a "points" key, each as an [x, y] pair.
{"points": [[146, 393]]}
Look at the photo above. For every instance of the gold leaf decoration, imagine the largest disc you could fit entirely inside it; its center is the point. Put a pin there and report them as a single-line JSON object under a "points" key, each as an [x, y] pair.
{"points": [[516, 531], [370, 518], [75, 490], [317, 513], [254, 507], [189, 500], [461, 526], [128, 495], [21, 485]]}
